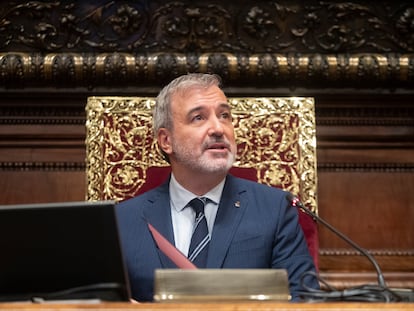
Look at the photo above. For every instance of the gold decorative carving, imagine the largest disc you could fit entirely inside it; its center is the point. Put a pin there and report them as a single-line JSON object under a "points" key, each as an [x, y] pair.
{"points": [[276, 136], [266, 69]]}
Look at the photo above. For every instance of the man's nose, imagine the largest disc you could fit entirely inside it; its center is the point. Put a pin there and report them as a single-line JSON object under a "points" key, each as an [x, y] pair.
{"points": [[215, 127]]}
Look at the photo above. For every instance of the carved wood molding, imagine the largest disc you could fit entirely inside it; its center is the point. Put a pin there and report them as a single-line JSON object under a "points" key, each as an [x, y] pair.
{"points": [[374, 252], [296, 44], [42, 166], [20, 70], [204, 26], [399, 113], [31, 109], [326, 167], [54, 113], [367, 167]]}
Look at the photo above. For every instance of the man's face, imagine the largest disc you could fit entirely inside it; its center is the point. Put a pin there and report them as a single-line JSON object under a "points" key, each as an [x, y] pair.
{"points": [[202, 139]]}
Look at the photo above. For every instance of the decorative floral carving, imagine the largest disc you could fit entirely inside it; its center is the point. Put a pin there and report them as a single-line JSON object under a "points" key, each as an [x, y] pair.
{"points": [[200, 26], [126, 21], [405, 22], [257, 22], [405, 27], [186, 26], [94, 43]]}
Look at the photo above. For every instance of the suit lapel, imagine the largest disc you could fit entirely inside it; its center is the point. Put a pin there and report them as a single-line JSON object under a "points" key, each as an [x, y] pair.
{"points": [[230, 212], [158, 214]]}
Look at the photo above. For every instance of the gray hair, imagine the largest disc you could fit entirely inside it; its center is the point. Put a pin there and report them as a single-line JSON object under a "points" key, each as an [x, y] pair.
{"points": [[162, 111]]}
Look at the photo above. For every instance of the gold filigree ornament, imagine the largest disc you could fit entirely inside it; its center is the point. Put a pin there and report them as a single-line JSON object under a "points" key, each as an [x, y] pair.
{"points": [[275, 136]]}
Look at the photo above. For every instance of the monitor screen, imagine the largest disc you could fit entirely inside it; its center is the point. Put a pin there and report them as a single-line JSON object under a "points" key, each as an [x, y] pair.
{"points": [[60, 251]]}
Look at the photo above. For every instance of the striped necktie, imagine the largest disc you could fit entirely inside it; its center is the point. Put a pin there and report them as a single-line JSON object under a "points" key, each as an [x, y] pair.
{"points": [[200, 239]]}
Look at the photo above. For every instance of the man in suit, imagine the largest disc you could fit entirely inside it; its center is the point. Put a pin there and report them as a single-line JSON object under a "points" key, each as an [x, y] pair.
{"points": [[250, 225]]}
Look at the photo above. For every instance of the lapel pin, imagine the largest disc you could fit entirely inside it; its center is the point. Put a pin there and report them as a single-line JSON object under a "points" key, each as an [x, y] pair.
{"points": [[237, 204]]}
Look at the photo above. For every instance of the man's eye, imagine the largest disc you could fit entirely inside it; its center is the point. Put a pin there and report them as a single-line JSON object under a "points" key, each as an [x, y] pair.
{"points": [[226, 115], [197, 118]]}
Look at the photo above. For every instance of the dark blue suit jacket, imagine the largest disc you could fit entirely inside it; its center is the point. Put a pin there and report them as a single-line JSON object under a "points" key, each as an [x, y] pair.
{"points": [[254, 228]]}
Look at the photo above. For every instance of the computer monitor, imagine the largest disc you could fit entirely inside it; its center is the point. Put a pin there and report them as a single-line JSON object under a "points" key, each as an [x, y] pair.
{"points": [[61, 251]]}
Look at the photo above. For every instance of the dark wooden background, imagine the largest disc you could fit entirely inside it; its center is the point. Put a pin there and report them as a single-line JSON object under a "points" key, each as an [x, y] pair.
{"points": [[354, 57]]}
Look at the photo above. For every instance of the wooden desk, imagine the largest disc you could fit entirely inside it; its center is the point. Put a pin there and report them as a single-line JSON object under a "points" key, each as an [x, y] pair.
{"points": [[231, 306]]}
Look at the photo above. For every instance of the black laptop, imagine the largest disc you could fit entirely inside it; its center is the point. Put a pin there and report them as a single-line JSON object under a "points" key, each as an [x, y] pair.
{"points": [[61, 251]]}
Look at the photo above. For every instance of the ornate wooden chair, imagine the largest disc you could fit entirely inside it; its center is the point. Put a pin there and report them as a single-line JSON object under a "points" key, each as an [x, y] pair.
{"points": [[275, 140]]}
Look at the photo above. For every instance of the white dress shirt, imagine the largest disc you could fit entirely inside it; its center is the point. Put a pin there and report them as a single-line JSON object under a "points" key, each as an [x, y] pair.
{"points": [[183, 216]]}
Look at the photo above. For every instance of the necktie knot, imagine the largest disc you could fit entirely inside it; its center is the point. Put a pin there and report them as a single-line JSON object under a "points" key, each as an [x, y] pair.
{"points": [[197, 205]]}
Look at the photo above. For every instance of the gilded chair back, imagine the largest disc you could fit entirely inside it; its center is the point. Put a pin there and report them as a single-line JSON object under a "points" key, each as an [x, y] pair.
{"points": [[276, 145]]}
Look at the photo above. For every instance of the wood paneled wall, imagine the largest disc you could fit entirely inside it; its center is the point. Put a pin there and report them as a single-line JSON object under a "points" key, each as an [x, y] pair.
{"points": [[364, 100]]}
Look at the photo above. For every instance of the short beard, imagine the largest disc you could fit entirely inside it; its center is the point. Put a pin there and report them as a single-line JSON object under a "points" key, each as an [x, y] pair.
{"points": [[203, 163]]}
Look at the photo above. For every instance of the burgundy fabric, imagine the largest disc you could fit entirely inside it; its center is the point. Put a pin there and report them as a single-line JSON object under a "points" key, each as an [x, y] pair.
{"points": [[310, 230], [157, 175]]}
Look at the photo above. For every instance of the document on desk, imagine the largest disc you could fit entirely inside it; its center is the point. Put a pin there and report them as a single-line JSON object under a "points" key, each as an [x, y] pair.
{"points": [[170, 250]]}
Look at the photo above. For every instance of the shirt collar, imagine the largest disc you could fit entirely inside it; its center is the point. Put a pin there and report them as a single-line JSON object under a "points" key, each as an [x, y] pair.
{"points": [[181, 196]]}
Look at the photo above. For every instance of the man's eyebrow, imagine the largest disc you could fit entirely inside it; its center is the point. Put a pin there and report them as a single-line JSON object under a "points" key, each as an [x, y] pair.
{"points": [[198, 108], [225, 105], [195, 109]]}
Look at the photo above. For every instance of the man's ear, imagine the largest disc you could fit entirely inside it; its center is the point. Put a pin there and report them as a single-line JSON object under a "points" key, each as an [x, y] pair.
{"points": [[164, 140]]}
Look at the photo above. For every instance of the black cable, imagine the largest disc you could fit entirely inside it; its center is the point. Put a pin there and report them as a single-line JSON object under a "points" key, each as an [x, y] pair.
{"points": [[363, 293], [81, 290]]}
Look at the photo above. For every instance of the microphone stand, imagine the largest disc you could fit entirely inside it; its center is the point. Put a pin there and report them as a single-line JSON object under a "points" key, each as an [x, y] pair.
{"points": [[386, 294]]}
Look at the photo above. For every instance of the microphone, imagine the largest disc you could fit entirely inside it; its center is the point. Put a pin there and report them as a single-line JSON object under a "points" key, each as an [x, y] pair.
{"points": [[370, 292]]}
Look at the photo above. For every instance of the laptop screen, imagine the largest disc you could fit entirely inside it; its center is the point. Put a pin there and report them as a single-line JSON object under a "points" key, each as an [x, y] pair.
{"points": [[60, 251]]}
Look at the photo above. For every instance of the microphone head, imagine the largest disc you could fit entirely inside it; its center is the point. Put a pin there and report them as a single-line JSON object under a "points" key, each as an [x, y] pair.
{"points": [[294, 200]]}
